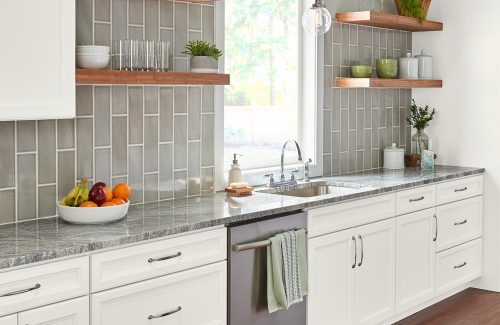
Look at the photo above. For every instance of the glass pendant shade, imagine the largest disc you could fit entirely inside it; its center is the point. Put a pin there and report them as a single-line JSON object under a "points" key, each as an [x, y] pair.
{"points": [[317, 19]]}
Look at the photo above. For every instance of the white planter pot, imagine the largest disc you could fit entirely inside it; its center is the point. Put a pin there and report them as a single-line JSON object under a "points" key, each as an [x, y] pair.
{"points": [[203, 64]]}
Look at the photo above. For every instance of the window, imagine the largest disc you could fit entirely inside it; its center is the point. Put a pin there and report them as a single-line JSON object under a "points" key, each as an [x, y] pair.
{"points": [[261, 106]]}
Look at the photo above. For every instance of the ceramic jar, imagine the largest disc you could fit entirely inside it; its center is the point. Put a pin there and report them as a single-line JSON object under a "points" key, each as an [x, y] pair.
{"points": [[408, 67], [424, 66], [394, 157]]}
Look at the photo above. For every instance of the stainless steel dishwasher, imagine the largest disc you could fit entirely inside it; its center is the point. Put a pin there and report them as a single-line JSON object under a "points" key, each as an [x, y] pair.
{"points": [[247, 296]]}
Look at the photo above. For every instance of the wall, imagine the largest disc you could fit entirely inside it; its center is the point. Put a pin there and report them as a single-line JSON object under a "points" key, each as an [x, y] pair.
{"points": [[466, 131], [359, 123], [158, 139]]}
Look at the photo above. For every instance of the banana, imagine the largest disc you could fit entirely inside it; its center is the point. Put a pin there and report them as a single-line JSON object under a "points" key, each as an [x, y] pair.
{"points": [[77, 195]]}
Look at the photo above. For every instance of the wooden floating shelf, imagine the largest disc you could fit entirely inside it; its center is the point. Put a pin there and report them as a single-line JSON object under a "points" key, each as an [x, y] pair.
{"points": [[117, 77], [386, 20], [387, 83]]}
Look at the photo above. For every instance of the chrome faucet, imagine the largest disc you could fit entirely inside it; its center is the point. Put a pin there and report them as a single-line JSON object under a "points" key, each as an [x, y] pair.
{"points": [[282, 178], [306, 170], [283, 182]]}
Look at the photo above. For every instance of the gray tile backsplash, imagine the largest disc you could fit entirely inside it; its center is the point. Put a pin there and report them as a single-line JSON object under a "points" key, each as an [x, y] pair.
{"points": [[136, 134], [359, 123]]}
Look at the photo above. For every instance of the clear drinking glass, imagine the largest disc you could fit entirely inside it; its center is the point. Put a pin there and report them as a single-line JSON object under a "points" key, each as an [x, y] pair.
{"points": [[162, 56], [150, 55], [134, 55], [119, 55]]}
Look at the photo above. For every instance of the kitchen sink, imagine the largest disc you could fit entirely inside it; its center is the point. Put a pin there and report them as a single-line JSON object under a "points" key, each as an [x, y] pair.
{"points": [[315, 189]]}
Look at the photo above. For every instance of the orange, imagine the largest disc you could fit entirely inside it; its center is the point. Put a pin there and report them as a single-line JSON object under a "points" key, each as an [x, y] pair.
{"points": [[109, 194], [88, 204], [107, 204], [117, 201], [122, 191]]}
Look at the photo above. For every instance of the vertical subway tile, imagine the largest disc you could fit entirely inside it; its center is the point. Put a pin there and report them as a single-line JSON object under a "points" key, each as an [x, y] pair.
{"points": [[208, 99], [151, 188], [8, 204], [136, 173], [7, 158], [166, 114], [327, 131], [166, 172], [180, 99], [151, 99], [359, 160], [208, 24], [84, 22], [135, 97], [180, 184], [195, 16], [152, 26], [102, 98], [119, 99], [135, 32], [46, 197], [328, 47], [102, 34], [194, 112], [207, 140], [194, 168], [344, 162], [135, 14], [181, 64], [65, 172], [84, 100], [84, 147], [344, 128], [151, 144], [65, 134], [180, 142], [352, 151], [181, 28], [166, 13], [327, 165], [207, 180], [119, 23], [26, 136], [360, 117], [47, 152], [103, 166], [26, 187], [367, 149], [102, 10], [194, 36], [119, 146]]}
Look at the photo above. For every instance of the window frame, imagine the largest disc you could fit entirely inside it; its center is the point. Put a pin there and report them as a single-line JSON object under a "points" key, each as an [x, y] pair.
{"points": [[310, 110]]}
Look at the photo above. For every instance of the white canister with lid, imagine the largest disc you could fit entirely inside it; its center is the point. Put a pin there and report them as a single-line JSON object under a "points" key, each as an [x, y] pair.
{"points": [[394, 157], [424, 66], [408, 67]]}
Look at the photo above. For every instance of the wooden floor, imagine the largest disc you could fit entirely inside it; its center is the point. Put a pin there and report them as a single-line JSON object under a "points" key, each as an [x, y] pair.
{"points": [[469, 307]]}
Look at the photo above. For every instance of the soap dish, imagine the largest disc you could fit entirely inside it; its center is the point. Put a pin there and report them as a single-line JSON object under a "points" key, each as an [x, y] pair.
{"points": [[245, 191]]}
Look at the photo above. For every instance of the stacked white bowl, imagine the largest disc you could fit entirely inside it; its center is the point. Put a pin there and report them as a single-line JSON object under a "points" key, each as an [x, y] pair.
{"points": [[92, 56]]}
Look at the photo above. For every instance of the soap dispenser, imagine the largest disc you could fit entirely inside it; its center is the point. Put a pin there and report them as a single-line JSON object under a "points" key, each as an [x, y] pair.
{"points": [[234, 175]]}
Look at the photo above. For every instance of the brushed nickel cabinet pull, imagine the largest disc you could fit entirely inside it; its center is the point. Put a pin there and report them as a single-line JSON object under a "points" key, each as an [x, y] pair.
{"points": [[168, 313], [436, 228], [417, 199], [18, 292], [459, 266], [151, 260], [355, 252], [461, 222], [362, 250], [461, 189]]}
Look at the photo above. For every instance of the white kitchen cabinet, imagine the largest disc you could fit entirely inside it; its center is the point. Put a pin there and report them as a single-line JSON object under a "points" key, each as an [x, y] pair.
{"points": [[375, 280], [37, 61], [71, 312], [8, 320], [332, 271], [192, 297], [415, 259]]}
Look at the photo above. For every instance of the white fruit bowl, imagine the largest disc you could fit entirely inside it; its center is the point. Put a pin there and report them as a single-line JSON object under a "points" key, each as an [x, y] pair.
{"points": [[92, 216], [92, 61]]}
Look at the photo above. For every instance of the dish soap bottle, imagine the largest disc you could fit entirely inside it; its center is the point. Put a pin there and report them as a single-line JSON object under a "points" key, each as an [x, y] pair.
{"points": [[234, 175]]}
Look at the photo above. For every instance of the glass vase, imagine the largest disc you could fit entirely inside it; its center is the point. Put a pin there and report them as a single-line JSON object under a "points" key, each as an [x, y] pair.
{"points": [[419, 142]]}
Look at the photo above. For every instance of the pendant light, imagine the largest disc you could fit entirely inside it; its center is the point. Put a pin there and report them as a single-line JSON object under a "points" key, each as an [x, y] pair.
{"points": [[317, 20]]}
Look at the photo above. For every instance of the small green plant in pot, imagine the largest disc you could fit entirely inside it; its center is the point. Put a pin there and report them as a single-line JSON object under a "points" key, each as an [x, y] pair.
{"points": [[204, 56], [419, 118], [411, 8]]}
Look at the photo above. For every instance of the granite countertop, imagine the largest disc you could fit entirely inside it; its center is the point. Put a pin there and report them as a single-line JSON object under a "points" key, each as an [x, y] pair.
{"points": [[34, 241]]}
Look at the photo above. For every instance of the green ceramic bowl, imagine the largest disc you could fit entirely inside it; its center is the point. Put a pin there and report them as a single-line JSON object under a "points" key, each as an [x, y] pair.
{"points": [[387, 68], [361, 71]]}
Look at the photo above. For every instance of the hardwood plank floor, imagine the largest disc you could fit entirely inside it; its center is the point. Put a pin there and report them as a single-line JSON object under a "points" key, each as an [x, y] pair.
{"points": [[469, 307]]}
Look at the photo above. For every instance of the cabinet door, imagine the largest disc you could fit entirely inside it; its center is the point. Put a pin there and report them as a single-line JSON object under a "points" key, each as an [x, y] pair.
{"points": [[331, 261], [71, 312], [37, 79], [415, 259], [375, 278], [8, 320], [192, 297]]}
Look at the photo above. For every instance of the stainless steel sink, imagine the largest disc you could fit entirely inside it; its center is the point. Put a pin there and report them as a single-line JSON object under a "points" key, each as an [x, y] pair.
{"points": [[316, 189]]}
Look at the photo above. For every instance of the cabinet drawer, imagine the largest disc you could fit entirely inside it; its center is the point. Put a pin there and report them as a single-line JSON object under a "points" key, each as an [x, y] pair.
{"points": [[415, 199], [459, 222], [8, 320], [132, 264], [341, 216], [192, 297], [44, 284], [459, 189], [70, 312], [458, 266]]}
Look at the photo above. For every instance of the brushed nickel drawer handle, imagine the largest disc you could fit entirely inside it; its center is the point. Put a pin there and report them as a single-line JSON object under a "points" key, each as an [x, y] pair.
{"points": [[168, 313], [417, 199], [151, 260], [461, 222], [461, 189], [18, 292], [362, 250], [435, 229], [461, 265], [355, 252]]}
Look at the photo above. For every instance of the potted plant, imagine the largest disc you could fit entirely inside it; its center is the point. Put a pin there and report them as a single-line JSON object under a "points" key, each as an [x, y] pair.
{"points": [[204, 56], [413, 8], [419, 119]]}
